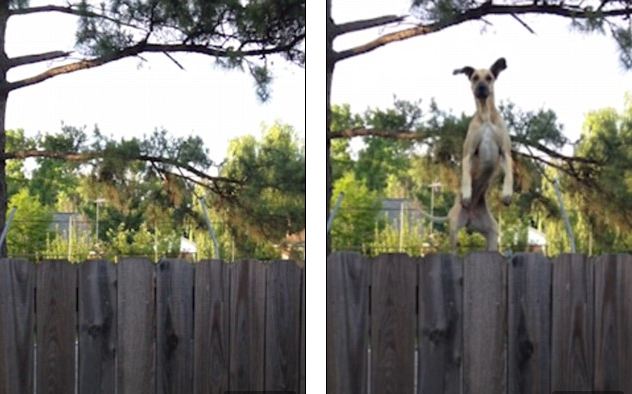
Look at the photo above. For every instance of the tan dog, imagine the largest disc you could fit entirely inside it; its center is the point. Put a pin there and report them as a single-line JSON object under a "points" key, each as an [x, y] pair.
{"points": [[487, 148]]}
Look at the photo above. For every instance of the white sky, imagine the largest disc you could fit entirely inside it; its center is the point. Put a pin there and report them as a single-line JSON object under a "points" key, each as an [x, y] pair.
{"points": [[132, 98], [557, 68]]}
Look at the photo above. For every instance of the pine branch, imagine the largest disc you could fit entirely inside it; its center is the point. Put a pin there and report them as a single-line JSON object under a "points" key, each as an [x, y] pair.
{"points": [[36, 58], [83, 157], [144, 47], [487, 8], [69, 10], [409, 135], [364, 24]]}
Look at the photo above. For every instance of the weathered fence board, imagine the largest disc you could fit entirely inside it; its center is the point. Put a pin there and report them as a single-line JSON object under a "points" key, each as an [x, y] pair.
{"points": [[488, 324], [485, 323], [283, 324], [174, 326], [302, 359], [17, 298], [440, 325], [56, 303], [212, 280], [393, 324], [613, 322], [529, 361], [572, 323], [247, 325], [136, 330], [144, 328], [97, 327], [348, 279]]}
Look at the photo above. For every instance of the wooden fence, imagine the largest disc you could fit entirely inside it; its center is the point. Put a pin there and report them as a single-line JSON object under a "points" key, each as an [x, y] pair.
{"points": [[137, 327], [482, 324]]}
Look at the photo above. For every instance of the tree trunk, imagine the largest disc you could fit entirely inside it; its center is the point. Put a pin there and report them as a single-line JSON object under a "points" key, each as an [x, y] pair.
{"points": [[330, 64], [4, 94]]}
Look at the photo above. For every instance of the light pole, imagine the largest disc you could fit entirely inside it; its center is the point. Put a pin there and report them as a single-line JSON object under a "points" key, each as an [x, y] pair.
{"points": [[432, 187], [96, 230]]}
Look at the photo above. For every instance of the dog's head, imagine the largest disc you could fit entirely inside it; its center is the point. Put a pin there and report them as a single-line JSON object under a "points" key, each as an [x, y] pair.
{"points": [[482, 80]]}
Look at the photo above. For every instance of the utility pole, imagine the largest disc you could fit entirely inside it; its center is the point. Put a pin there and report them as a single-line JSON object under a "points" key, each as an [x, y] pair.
{"points": [[96, 230], [432, 186]]}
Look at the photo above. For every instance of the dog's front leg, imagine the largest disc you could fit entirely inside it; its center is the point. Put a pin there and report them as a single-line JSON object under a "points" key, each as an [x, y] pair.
{"points": [[507, 167], [466, 180]]}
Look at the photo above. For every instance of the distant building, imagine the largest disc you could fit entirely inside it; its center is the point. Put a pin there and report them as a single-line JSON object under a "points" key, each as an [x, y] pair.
{"points": [[61, 222], [392, 208]]}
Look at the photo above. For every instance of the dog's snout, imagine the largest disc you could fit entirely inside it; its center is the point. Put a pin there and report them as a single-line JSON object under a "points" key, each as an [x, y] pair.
{"points": [[482, 90]]}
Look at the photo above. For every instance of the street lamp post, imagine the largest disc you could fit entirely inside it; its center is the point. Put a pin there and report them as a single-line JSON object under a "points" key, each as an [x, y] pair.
{"points": [[432, 187], [96, 230]]}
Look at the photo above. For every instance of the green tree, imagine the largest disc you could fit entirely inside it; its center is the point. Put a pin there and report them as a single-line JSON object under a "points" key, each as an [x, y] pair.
{"points": [[236, 34], [271, 202], [354, 226], [30, 226]]}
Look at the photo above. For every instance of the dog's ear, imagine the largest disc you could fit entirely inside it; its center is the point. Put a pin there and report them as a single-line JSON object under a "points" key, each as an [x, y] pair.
{"points": [[498, 66], [465, 70]]}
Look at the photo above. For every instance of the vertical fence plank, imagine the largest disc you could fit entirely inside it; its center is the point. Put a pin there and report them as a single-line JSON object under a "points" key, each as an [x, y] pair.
{"points": [[283, 325], [529, 362], [211, 327], [485, 323], [136, 327], [97, 327], [247, 310], [56, 327], [301, 386], [572, 330], [613, 323], [393, 324], [348, 279], [440, 325], [17, 283], [174, 326]]}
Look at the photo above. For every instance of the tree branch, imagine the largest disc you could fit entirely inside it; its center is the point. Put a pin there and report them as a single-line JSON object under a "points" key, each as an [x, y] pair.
{"points": [[84, 157], [69, 10], [408, 135], [35, 58], [143, 47], [364, 24], [486, 8]]}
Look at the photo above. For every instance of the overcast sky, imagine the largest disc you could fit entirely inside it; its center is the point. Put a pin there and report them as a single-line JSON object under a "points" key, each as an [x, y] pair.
{"points": [[132, 98], [557, 68]]}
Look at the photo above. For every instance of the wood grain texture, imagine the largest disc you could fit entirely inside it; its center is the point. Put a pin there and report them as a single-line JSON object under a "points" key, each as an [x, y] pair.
{"points": [[572, 323], [529, 362], [247, 325], [393, 324], [613, 323], [210, 349], [348, 280], [136, 334], [485, 323], [97, 327], [283, 326], [440, 326], [56, 301], [174, 326], [17, 323], [301, 385]]}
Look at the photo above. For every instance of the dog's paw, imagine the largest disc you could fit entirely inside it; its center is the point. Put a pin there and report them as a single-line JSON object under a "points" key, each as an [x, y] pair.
{"points": [[506, 199], [465, 202]]}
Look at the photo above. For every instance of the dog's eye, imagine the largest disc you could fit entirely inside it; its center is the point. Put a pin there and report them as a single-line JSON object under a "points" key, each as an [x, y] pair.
{"points": [[488, 78], [475, 78]]}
